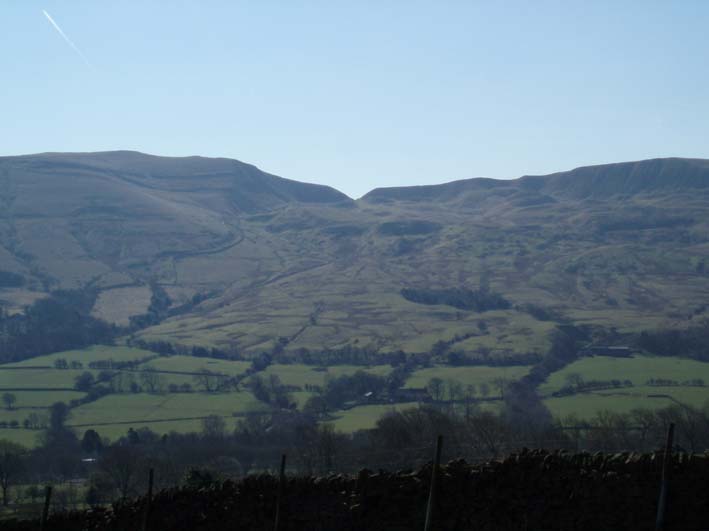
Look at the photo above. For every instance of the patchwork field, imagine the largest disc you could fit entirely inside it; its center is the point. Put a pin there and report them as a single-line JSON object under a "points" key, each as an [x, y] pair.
{"points": [[586, 405], [87, 355], [636, 369], [301, 375], [36, 384], [189, 364], [476, 375]]}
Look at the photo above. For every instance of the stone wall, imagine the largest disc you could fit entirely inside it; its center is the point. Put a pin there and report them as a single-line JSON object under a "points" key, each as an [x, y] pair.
{"points": [[534, 491]]}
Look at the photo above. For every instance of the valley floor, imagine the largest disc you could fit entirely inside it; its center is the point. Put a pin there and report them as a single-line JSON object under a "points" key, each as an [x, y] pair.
{"points": [[177, 400]]}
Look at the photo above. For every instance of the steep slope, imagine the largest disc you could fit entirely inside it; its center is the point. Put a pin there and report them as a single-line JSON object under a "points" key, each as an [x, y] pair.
{"points": [[281, 264], [120, 218], [627, 255]]}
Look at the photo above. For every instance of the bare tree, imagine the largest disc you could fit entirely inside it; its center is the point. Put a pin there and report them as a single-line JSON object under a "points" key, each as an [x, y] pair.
{"points": [[328, 442], [500, 384], [9, 399], [151, 380], [214, 427], [36, 421], [574, 379], [11, 466], [469, 398], [207, 380], [455, 390], [484, 389], [120, 467], [487, 434], [435, 388]]}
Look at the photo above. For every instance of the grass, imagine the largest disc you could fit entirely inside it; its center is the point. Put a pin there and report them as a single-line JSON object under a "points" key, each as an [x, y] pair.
{"points": [[27, 438], [38, 378], [112, 415], [87, 355], [142, 409], [143, 406], [115, 431], [39, 399], [301, 375], [587, 405], [365, 417], [467, 375], [301, 397], [280, 267], [118, 305], [637, 369], [192, 364]]}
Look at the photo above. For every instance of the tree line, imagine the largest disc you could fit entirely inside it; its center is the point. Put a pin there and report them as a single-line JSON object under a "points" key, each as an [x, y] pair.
{"points": [[252, 445], [59, 322]]}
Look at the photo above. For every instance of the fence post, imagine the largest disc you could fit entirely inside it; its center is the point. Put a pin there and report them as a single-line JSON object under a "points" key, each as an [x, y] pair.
{"points": [[665, 482], [281, 482], [432, 492], [362, 481], [149, 500], [45, 510]]}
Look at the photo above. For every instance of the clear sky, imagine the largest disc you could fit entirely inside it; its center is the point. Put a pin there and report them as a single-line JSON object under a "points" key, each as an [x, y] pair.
{"points": [[359, 94]]}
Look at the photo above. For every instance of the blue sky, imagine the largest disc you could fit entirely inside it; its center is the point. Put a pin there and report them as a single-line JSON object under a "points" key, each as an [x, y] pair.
{"points": [[361, 94]]}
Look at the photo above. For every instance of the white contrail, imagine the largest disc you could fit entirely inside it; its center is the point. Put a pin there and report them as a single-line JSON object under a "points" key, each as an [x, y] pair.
{"points": [[67, 39]]}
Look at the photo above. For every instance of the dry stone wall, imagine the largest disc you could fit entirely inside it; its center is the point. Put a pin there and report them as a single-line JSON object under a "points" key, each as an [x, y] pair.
{"points": [[528, 491]]}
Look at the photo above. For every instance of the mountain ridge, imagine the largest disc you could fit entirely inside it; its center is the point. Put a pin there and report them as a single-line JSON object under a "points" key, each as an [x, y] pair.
{"points": [[695, 171], [629, 171], [258, 262]]}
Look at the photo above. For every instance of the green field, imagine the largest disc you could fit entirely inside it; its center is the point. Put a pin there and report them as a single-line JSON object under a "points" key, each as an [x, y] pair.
{"points": [[301, 375], [118, 412], [143, 406], [87, 355], [192, 364], [112, 415], [586, 405], [40, 399], [115, 431], [174, 365], [467, 375], [637, 369], [365, 417], [38, 378], [27, 438], [164, 412]]}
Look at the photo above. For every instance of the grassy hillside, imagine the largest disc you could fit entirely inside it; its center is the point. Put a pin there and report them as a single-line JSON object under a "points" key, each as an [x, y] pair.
{"points": [[253, 262]]}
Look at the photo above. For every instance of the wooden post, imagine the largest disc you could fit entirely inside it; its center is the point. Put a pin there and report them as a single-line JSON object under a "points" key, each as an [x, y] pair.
{"points": [[281, 485], [432, 493], [149, 499], [362, 481], [45, 511], [665, 484]]}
